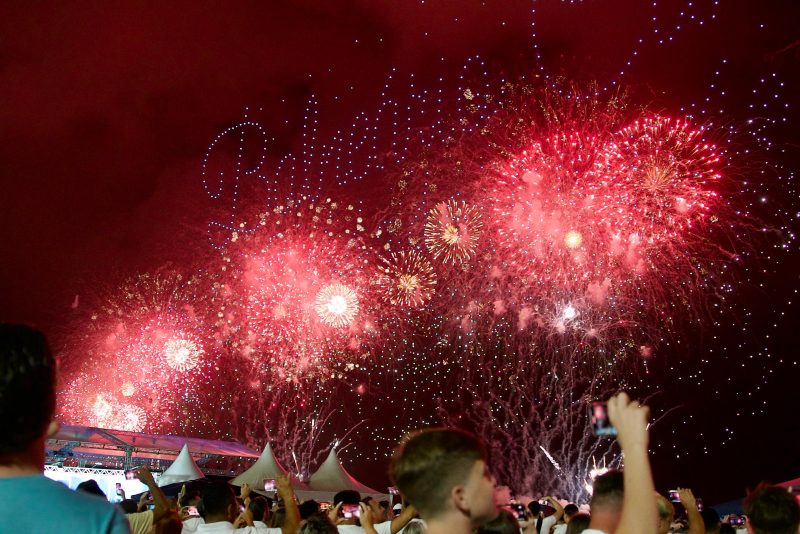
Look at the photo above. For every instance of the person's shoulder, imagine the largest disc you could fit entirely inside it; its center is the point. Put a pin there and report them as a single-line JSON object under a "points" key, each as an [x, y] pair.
{"points": [[352, 529], [383, 528]]}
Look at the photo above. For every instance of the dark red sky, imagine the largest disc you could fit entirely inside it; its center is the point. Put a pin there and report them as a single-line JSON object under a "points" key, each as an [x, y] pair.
{"points": [[107, 110]]}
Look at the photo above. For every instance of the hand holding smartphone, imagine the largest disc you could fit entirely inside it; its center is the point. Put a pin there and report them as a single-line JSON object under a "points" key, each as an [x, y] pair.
{"points": [[601, 425]]}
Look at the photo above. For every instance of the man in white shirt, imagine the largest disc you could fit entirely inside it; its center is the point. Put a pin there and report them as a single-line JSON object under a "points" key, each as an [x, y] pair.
{"points": [[443, 472], [538, 518], [570, 511]]}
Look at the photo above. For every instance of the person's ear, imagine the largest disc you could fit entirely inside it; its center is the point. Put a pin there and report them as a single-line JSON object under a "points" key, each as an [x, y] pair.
{"points": [[52, 428], [458, 497]]}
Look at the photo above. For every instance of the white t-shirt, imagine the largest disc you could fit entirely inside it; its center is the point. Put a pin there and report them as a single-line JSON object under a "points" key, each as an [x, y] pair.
{"points": [[593, 531], [191, 524], [560, 529], [547, 522], [259, 527]]}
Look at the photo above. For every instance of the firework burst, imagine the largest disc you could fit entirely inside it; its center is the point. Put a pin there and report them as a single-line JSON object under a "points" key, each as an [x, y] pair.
{"points": [[407, 279], [336, 305], [452, 231]]}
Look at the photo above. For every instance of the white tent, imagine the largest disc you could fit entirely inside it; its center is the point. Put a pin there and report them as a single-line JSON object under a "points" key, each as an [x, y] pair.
{"points": [[331, 477], [266, 467], [183, 469]]}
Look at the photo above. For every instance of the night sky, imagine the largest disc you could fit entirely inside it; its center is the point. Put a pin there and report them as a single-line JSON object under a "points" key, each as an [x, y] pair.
{"points": [[107, 111]]}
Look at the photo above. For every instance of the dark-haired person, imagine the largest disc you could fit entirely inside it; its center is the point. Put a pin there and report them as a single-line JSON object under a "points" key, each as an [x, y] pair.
{"points": [[538, 523], [504, 523], [351, 524], [578, 523], [771, 510], [570, 511], [711, 521], [623, 503], [443, 473], [27, 403]]}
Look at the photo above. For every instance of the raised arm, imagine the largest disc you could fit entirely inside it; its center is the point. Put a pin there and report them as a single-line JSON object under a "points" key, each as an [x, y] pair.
{"points": [[159, 499], [286, 493], [696, 524], [557, 505], [406, 514], [638, 506]]}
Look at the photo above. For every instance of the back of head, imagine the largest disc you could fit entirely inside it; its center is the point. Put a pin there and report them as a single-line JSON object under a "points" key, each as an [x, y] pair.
{"points": [[578, 523], [772, 510], [347, 497], [278, 518], [666, 513], [217, 499], [504, 523], [91, 486], [534, 507], [570, 510], [27, 387], [318, 524], [608, 492], [710, 520], [259, 508], [414, 527], [430, 463], [129, 506], [308, 508]]}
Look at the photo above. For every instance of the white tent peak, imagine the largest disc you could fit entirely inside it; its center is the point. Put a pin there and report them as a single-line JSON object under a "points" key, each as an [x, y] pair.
{"points": [[266, 467], [183, 469], [332, 476]]}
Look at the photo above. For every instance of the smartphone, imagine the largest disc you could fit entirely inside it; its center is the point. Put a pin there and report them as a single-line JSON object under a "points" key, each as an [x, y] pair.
{"points": [[269, 484], [736, 521], [130, 474], [151, 506], [673, 496], [393, 490], [324, 506], [699, 503], [351, 510], [519, 511], [192, 510], [601, 426]]}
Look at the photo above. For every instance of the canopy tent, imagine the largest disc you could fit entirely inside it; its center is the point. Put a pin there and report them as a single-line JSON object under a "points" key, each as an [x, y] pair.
{"points": [[183, 469], [83, 446], [266, 467], [331, 478]]}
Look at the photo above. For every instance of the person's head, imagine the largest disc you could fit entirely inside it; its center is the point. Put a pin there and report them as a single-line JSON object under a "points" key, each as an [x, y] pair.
{"points": [[91, 486], [578, 523], [378, 512], [318, 524], [278, 518], [27, 392], [308, 508], [771, 510], [608, 492], [710, 520], [347, 497], [190, 498], [259, 507], [219, 503], [504, 523], [444, 471], [414, 527], [666, 513], [569, 511], [534, 507], [129, 506]]}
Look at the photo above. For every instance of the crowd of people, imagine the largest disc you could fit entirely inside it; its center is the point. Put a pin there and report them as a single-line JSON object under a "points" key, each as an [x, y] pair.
{"points": [[442, 475]]}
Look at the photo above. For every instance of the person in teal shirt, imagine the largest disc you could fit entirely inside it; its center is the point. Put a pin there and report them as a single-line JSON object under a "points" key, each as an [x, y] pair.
{"points": [[30, 502]]}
